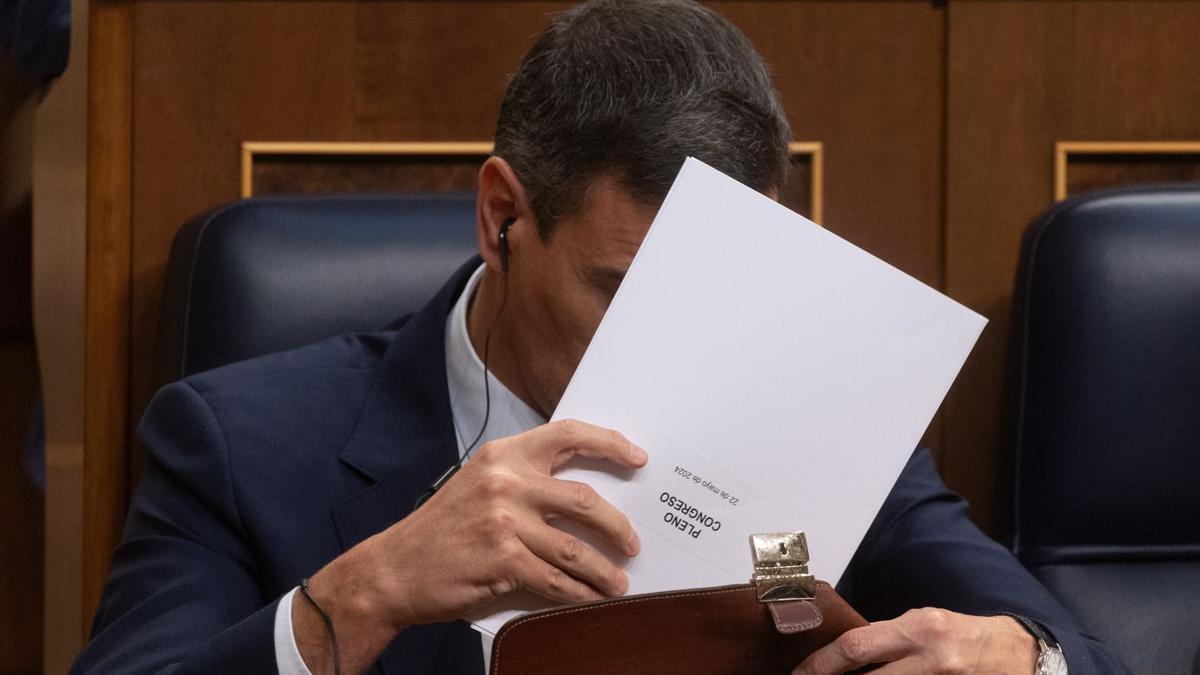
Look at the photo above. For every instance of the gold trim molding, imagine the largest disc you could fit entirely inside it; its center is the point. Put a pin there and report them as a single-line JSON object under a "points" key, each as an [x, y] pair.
{"points": [[816, 185], [480, 148], [429, 149], [1063, 150]]}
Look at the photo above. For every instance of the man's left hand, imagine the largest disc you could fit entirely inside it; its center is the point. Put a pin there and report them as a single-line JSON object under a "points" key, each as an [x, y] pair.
{"points": [[929, 641]]}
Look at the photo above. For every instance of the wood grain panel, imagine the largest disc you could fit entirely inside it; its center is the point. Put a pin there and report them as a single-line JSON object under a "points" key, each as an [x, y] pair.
{"points": [[864, 78], [209, 77], [1084, 166], [59, 282], [929, 113], [308, 174], [1107, 171], [107, 310], [306, 168], [1022, 75], [309, 168], [215, 73]]}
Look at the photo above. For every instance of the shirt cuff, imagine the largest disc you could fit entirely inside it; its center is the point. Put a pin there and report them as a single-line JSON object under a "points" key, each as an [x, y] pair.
{"points": [[287, 655], [485, 640]]}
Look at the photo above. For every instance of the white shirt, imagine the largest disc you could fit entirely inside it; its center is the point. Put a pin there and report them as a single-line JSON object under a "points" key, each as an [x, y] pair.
{"points": [[464, 375]]}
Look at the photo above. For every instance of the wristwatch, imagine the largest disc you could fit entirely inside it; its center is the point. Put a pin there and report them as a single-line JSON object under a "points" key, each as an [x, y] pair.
{"points": [[1050, 659]]}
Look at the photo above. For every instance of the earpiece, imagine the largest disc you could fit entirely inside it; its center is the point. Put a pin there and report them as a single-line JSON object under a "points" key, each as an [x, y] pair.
{"points": [[502, 240]]}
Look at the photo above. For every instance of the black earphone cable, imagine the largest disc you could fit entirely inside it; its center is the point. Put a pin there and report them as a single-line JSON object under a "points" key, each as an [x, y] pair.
{"points": [[437, 485], [502, 240], [487, 389]]}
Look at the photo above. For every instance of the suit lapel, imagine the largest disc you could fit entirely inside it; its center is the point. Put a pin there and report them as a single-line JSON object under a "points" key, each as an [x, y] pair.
{"points": [[405, 437], [404, 441]]}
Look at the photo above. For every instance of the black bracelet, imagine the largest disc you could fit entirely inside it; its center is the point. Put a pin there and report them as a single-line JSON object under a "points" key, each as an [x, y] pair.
{"points": [[1035, 628], [337, 662]]}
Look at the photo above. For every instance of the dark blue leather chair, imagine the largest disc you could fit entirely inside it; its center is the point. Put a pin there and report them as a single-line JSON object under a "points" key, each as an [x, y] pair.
{"points": [[1107, 492], [272, 273]]}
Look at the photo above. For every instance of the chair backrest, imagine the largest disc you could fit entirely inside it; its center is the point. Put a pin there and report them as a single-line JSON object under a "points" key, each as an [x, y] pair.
{"points": [[268, 274], [1107, 493]]}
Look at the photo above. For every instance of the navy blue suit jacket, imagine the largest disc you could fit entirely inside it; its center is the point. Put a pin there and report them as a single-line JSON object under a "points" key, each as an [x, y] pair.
{"points": [[261, 472]]}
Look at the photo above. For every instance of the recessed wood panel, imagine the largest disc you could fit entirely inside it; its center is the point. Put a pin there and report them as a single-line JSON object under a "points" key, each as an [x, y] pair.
{"points": [[312, 168], [308, 174], [1024, 74], [1083, 166], [804, 192], [309, 168]]}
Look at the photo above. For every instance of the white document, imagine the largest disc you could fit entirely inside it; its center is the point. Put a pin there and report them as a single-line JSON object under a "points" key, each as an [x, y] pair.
{"points": [[778, 377]]}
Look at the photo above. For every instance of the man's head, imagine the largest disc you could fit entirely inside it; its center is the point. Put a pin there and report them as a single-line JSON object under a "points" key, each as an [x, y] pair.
{"points": [[594, 126], [629, 89]]}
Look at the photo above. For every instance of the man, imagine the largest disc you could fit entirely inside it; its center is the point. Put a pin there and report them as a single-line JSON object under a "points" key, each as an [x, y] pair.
{"points": [[309, 464]]}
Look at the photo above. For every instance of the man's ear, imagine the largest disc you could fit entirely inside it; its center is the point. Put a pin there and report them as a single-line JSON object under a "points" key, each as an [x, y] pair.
{"points": [[501, 197]]}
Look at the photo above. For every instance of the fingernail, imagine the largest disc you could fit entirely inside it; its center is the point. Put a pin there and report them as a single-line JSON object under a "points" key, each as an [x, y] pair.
{"points": [[639, 455], [634, 544]]}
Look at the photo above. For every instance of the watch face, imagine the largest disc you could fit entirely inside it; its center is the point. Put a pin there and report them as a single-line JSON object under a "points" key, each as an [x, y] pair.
{"points": [[1051, 662]]}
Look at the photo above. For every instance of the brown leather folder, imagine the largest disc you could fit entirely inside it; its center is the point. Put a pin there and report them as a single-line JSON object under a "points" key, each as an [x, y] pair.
{"points": [[725, 629]]}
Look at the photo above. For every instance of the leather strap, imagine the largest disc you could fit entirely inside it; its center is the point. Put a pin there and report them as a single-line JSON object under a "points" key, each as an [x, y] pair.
{"points": [[793, 616], [1039, 632]]}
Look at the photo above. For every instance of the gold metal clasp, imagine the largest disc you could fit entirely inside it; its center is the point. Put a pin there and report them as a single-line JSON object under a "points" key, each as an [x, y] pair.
{"points": [[781, 567]]}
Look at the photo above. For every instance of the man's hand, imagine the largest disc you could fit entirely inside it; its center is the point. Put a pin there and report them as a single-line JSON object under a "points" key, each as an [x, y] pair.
{"points": [[485, 534], [929, 641]]}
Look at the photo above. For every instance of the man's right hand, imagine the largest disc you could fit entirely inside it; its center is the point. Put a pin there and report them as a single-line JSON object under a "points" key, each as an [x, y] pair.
{"points": [[485, 534]]}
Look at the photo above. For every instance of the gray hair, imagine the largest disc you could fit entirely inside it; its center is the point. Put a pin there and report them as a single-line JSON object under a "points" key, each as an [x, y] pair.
{"points": [[630, 88]]}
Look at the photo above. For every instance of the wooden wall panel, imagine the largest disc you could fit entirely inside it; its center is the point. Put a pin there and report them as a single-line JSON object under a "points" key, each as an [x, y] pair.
{"points": [[310, 168], [178, 86], [212, 74], [1096, 165], [60, 259], [863, 78], [937, 121], [312, 175], [1097, 173], [1023, 75], [107, 321], [313, 168]]}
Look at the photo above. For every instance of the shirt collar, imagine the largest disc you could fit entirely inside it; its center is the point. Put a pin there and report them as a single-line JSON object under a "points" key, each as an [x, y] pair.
{"points": [[509, 414]]}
